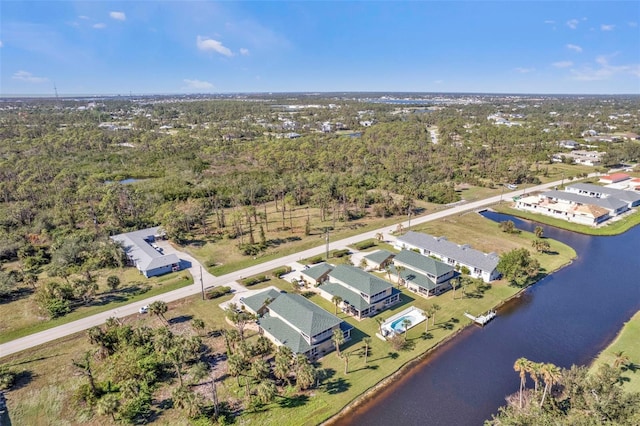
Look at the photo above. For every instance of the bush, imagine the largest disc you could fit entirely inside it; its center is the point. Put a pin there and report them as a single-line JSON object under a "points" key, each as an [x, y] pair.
{"points": [[316, 259], [218, 292], [341, 253], [281, 271], [365, 244], [255, 280], [210, 263]]}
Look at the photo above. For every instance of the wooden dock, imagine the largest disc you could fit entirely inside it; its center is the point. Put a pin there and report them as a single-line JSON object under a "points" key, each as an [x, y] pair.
{"points": [[482, 319]]}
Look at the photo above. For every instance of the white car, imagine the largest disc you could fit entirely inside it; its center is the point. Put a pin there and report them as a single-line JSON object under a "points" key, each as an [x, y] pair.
{"points": [[144, 309]]}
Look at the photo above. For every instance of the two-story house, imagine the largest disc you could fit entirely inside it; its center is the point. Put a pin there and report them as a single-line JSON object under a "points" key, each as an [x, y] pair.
{"points": [[301, 325], [479, 264], [421, 274], [360, 293]]}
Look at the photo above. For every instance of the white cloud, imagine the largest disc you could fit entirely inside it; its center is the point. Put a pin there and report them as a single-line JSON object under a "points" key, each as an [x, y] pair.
{"points": [[574, 47], [118, 16], [524, 70], [633, 24], [605, 27], [83, 17], [1, 43], [550, 22], [99, 26], [605, 70], [28, 77], [197, 85], [572, 23], [244, 51], [209, 44], [439, 81], [562, 64]]}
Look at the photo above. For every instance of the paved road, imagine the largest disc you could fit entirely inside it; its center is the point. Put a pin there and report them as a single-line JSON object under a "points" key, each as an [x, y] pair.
{"points": [[209, 280]]}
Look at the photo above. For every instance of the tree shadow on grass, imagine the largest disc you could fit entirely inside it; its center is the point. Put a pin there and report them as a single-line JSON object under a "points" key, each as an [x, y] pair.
{"points": [[17, 295], [180, 319], [371, 367], [22, 379], [390, 355], [293, 402], [337, 386]]}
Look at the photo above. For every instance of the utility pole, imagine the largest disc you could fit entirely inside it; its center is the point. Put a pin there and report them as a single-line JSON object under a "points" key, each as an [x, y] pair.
{"points": [[201, 282], [327, 240], [409, 227]]}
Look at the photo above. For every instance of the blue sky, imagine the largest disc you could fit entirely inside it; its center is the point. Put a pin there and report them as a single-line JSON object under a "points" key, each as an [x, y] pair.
{"points": [[140, 47]]}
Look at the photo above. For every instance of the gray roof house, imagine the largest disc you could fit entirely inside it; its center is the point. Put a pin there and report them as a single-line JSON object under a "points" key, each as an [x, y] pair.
{"points": [[480, 264], [613, 205], [301, 325], [632, 198], [421, 274], [142, 252], [361, 294]]}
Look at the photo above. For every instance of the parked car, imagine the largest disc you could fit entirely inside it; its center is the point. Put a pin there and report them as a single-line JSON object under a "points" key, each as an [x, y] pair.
{"points": [[144, 309]]}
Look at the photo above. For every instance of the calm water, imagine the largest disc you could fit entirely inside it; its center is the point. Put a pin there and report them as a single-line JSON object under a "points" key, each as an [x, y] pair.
{"points": [[566, 318]]}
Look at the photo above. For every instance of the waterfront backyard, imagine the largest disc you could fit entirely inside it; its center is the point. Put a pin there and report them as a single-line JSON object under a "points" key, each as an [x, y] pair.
{"points": [[336, 388]]}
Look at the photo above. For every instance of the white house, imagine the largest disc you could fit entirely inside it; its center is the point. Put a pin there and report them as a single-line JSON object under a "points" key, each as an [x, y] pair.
{"points": [[144, 254], [480, 265]]}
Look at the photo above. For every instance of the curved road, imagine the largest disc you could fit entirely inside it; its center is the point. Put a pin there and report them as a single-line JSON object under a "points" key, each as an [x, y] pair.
{"points": [[209, 280]]}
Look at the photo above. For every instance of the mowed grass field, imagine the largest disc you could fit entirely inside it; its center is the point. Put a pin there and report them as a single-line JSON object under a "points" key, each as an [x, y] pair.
{"points": [[627, 342], [49, 380]]}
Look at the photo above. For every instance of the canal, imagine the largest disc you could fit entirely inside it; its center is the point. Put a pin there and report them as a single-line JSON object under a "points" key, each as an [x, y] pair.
{"points": [[566, 318]]}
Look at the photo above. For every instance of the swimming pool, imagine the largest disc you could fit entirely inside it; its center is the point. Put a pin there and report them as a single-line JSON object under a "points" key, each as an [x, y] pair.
{"points": [[396, 323]]}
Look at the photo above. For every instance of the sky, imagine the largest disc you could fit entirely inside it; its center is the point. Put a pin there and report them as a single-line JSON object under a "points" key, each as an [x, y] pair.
{"points": [[170, 47]]}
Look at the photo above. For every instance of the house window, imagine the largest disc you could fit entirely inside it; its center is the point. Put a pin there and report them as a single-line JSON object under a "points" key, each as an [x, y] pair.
{"points": [[477, 271]]}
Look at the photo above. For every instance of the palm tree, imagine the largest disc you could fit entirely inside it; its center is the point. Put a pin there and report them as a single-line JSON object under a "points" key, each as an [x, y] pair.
{"points": [[399, 270], [367, 342], [345, 356], [521, 365], [108, 405], [236, 364], [539, 232], [406, 323], [198, 324], [306, 376], [550, 374], [338, 339], [435, 308], [187, 400], [84, 366], [387, 269], [426, 314], [159, 308], [260, 369], [336, 301], [621, 359], [534, 372], [380, 321], [379, 236], [266, 391]]}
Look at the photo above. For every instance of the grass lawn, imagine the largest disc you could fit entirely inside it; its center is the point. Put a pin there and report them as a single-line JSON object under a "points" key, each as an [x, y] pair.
{"points": [[611, 227], [47, 387], [628, 342], [22, 317]]}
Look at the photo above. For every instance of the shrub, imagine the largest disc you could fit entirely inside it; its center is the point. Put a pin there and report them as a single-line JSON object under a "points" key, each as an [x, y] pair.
{"points": [[341, 253], [218, 292], [316, 259], [255, 280], [210, 263], [365, 244], [281, 271]]}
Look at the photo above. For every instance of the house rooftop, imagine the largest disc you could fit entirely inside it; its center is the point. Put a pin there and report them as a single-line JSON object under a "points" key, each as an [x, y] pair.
{"points": [[379, 256], [317, 271], [620, 194], [609, 203], [308, 317], [284, 333], [423, 264], [461, 253], [137, 245], [359, 279], [348, 296], [615, 177], [256, 301], [411, 276]]}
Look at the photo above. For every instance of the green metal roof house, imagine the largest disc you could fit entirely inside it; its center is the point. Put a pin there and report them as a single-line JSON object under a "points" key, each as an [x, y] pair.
{"points": [[301, 325], [361, 294], [422, 274]]}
